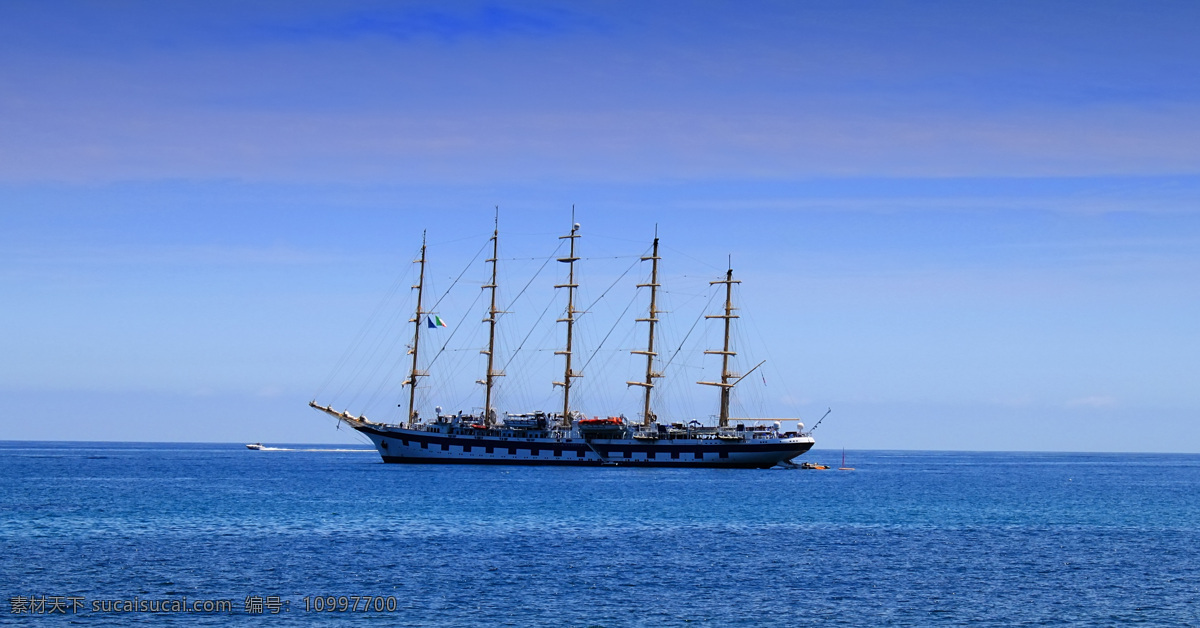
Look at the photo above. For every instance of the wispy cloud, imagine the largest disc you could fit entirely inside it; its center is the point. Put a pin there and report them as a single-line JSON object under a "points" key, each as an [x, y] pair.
{"points": [[325, 92], [1098, 401], [1022, 401], [270, 392], [416, 146], [182, 255], [447, 23]]}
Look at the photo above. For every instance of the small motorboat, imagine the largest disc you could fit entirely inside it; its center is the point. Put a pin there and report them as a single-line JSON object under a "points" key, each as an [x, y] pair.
{"points": [[813, 465], [254, 446]]}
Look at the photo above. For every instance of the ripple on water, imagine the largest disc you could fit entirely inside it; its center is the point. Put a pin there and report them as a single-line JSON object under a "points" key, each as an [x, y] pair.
{"points": [[911, 538]]}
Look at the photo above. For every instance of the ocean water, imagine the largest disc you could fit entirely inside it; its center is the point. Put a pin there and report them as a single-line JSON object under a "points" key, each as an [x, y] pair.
{"points": [[906, 539]]}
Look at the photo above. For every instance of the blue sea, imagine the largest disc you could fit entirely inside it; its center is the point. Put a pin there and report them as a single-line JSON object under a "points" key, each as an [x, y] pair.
{"points": [[906, 539]]}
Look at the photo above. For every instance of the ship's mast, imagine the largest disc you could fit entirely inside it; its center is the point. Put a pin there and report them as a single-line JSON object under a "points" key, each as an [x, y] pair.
{"points": [[569, 319], [647, 385], [725, 353], [489, 379], [411, 382]]}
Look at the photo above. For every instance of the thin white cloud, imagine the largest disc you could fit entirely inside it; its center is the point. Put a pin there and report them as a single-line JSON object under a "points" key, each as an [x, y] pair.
{"points": [[406, 95], [1099, 401], [634, 145], [182, 255]]}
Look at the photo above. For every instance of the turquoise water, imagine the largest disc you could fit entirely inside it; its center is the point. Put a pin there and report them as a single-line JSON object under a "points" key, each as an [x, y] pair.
{"points": [[908, 538]]}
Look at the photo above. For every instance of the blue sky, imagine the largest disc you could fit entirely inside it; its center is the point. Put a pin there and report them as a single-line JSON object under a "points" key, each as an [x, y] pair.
{"points": [[962, 226]]}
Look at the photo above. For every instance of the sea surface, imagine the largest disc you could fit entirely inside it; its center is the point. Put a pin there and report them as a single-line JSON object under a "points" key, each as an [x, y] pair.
{"points": [[905, 539]]}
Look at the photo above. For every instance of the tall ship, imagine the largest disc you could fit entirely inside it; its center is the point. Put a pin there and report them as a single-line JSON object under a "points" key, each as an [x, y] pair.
{"points": [[566, 435]]}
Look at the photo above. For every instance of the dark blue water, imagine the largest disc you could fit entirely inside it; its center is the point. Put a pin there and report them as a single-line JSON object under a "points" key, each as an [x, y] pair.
{"points": [[909, 538]]}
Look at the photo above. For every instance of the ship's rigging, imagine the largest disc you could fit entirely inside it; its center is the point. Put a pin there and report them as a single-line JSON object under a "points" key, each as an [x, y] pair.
{"points": [[576, 359]]}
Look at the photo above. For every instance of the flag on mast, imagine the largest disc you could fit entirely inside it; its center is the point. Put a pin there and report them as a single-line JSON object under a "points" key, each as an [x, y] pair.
{"points": [[436, 321]]}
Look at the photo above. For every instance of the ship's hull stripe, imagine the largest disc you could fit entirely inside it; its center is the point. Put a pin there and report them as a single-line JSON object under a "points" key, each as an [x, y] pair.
{"points": [[568, 462]]}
